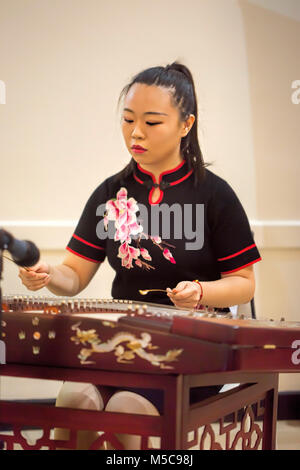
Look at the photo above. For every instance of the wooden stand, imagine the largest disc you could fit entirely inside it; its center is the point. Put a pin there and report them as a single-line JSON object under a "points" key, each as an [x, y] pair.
{"points": [[242, 418]]}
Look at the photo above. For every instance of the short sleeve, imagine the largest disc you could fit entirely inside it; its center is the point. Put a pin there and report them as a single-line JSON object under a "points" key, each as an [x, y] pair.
{"points": [[231, 236], [85, 241]]}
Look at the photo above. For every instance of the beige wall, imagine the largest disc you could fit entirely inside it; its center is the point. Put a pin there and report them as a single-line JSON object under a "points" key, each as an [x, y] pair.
{"points": [[64, 63]]}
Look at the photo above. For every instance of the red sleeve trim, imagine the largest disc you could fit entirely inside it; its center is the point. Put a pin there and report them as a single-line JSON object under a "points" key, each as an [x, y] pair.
{"points": [[241, 267], [87, 243], [81, 256], [237, 253]]}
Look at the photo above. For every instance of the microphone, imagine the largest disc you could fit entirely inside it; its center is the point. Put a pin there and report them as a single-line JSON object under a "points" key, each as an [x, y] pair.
{"points": [[23, 252]]}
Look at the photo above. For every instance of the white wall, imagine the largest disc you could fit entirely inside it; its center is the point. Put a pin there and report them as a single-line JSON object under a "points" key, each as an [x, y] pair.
{"points": [[64, 63]]}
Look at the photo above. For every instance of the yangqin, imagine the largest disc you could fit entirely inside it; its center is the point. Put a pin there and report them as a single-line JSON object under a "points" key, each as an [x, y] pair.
{"points": [[124, 335]]}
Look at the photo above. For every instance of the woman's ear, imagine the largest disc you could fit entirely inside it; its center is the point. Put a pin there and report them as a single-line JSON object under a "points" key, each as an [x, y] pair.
{"points": [[188, 124]]}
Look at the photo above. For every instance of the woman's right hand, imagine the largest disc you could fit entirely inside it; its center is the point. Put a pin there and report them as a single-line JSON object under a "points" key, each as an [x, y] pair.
{"points": [[36, 277]]}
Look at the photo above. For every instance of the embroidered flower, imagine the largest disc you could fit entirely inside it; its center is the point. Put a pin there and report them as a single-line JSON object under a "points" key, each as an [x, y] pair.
{"points": [[145, 254], [168, 255], [127, 253], [156, 240], [123, 212]]}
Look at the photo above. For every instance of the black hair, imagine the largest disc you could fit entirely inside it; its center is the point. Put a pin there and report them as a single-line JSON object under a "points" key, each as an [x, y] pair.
{"points": [[178, 79]]}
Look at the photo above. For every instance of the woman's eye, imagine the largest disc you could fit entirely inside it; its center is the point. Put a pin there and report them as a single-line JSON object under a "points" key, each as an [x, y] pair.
{"points": [[129, 121]]}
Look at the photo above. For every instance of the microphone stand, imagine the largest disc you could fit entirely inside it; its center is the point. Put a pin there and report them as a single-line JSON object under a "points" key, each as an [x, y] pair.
{"points": [[2, 344], [2, 349]]}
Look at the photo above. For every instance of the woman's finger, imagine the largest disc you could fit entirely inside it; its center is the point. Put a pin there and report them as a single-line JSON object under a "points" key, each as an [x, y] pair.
{"points": [[37, 285], [31, 275], [186, 305]]}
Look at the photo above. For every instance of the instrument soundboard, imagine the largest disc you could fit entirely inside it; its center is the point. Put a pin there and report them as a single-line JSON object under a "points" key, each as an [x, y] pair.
{"points": [[125, 335]]}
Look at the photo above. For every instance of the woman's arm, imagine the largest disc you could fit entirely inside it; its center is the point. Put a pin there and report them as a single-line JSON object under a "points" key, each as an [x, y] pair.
{"points": [[66, 279], [232, 289]]}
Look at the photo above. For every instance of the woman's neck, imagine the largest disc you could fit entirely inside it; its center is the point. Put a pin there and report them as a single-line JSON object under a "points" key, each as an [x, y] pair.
{"points": [[160, 167]]}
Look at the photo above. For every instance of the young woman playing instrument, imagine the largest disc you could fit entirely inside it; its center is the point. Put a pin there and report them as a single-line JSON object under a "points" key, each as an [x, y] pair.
{"points": [[191, 239]]}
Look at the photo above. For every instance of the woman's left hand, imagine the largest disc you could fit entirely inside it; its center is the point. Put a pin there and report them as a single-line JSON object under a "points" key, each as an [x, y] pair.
{"points": [[185, 295]]}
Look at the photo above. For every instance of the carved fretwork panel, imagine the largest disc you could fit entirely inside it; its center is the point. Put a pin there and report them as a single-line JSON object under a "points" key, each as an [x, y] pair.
{"points": [[243, 429], [240, 431], [42, 439]]}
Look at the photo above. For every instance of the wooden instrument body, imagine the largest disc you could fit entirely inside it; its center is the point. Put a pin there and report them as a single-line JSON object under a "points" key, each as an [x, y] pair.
{"points": [[122, 344], [125, 336]]}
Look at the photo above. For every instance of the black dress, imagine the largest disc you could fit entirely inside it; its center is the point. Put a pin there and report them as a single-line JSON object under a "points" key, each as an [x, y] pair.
{"points": [[191, 232]]}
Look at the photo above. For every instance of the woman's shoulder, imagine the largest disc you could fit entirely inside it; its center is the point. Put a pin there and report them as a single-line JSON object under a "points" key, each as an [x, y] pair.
{"points": [[215, 184], [108, 188]]}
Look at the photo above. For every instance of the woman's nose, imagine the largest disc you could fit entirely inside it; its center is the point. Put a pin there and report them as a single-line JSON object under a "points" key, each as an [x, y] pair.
{"points": [[137, 131]]}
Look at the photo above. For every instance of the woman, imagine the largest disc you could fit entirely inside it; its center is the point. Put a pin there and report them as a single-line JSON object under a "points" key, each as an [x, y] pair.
{"points": [[192, 233]]}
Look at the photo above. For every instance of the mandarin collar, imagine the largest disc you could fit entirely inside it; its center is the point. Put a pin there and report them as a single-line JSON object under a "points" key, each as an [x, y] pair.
{"points": [[166, 179]]}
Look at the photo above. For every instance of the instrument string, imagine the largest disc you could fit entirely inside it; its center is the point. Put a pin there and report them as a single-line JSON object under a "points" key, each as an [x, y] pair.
{"points": [[10, 259]]}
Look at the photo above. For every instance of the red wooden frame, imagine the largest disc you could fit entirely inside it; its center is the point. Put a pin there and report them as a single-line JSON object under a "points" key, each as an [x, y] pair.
{"points": [[255, 398]]}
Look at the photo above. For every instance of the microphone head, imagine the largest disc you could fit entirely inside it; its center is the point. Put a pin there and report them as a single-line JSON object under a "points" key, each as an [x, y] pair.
{"points": [[30, 257]]}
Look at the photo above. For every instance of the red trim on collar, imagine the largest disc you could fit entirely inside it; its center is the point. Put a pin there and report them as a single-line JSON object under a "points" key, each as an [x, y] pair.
{"points": [[163, 173], [182, 179], [173, 183], [158, 200], [171, 171], [137, 179], [146, 172]]}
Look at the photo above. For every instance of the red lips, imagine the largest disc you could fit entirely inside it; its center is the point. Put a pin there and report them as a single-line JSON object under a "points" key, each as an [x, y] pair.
{"points": [[138, 147]]}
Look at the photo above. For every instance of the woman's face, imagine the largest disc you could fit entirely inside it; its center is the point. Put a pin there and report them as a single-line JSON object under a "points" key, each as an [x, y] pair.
{"points": [[152, 122]]}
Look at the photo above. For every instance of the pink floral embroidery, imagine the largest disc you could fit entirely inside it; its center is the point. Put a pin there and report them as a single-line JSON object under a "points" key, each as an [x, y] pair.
{"points": [[123, 212], [168, 255], [127, 253], [145, 254]]}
